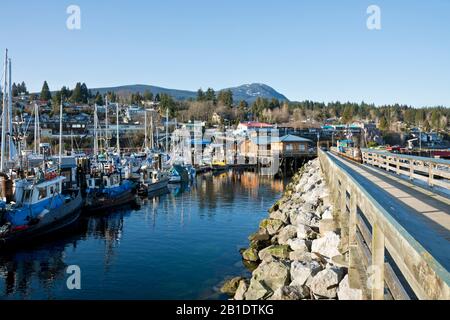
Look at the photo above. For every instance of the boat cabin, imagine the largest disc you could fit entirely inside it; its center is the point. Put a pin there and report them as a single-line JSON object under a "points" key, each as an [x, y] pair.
{"points": [[110, 181], [42, 191]]}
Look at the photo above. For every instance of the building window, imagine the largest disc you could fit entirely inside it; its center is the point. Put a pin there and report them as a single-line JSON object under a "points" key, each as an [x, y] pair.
{"points": [[289, 147], [302, 147]]}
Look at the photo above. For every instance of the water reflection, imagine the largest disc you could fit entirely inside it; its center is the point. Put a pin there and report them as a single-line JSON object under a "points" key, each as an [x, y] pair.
{"points": [[188, 235]]}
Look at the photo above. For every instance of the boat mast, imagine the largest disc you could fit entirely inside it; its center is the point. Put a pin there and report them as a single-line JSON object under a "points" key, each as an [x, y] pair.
{"points": [[36, 129], [117, 129], [10, 115], [152, 142], [95, 131], [106, 124], [60, 133], [145, 130], [167, 130], [4, 118]]}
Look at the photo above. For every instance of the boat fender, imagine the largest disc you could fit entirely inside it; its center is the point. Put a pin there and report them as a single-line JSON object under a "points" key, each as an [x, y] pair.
{"points": [[43, 214]]}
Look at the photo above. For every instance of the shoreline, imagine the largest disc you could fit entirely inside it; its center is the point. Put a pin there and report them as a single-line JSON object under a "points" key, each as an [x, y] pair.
{"points": [[296, 253]]}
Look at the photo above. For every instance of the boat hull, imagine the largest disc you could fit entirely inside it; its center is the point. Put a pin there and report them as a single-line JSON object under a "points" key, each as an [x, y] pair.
{"points": [[151, 188], [103, 204], [55, 221]]}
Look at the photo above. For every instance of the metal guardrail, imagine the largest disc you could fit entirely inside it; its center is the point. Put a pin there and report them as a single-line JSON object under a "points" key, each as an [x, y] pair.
{"points": [[369, 232], [434, 172]]}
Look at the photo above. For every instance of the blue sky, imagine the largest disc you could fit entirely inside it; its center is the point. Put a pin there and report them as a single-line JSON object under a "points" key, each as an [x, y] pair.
{"points": [[319, 50]]}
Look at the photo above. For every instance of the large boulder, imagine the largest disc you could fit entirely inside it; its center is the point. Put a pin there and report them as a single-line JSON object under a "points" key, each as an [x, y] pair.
{"points": [[287, 233], [305, 232], [327, 246], [250, 254], [261, 235], [271, 226], [347, 293], [301, 271], [300, 256], [275, 251], [289, 293], [257, 290], [273, 274], [241, 290], [230, 286], [325, 283], [298, 245], [307, 218], [281, 215]]}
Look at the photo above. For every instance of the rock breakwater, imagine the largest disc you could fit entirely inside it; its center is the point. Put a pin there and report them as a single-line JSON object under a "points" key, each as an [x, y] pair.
{"points": [[295, 253]]}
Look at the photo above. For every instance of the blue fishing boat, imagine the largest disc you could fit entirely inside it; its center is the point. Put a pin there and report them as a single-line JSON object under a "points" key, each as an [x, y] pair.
{"points": [[108, 191], [42, 207]]}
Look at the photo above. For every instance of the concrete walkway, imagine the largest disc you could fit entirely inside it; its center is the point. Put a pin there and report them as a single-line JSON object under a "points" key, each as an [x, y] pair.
{"points": [[425, 215]]}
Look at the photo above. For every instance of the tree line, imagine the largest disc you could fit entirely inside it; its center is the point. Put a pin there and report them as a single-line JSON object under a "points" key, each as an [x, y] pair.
{"points": [[222, 103]]}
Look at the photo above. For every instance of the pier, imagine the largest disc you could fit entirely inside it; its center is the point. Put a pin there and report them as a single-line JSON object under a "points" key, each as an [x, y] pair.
{"points": [[394, 221]]}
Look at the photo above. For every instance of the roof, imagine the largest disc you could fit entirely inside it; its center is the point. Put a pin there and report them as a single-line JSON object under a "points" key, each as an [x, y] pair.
{"points": [[264, 140], [253, 124]]}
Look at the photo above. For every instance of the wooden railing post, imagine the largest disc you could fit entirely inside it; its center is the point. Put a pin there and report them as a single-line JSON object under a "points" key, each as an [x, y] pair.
{"points": [[353, 245], [377, 272], [430, 174]]}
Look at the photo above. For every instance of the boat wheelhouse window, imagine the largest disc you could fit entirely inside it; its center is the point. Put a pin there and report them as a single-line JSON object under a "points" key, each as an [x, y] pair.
{"points": [[51, 190], [27, 196], [42, 193]]}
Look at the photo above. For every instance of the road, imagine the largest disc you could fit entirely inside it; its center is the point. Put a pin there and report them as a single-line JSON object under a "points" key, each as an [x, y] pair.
{"points": [[425, 215]]}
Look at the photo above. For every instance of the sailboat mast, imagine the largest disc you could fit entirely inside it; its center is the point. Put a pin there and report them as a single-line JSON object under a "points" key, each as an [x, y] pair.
{"points": [[4, 118], [106, 124], [36, 129], [152, 142], [60, 132], [95, 131], [10, 114], [145, 130], [167, 130], [117, 129]]}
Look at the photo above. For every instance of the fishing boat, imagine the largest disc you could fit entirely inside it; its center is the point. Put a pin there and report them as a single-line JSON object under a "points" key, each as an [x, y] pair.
{"points": [[106, 192], [42, 207], [219, 165], [39, 204], [152, 181]]}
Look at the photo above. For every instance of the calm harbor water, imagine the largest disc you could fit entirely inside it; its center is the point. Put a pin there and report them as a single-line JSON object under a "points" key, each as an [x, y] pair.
{"points": [[180, 245]]}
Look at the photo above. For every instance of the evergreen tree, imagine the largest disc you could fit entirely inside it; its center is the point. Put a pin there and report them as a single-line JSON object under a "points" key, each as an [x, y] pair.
{"points": [[226, 98], [77, 95], [148, 95], [23, 88], [99, 99], [210, 95], [15, 90], [84, 94], [200, 95], [45, 92], [383, 125]]}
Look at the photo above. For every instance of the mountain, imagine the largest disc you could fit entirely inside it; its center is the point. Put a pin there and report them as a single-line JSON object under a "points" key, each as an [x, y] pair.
{"points": [[250, 92], [247, 92]]}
